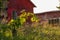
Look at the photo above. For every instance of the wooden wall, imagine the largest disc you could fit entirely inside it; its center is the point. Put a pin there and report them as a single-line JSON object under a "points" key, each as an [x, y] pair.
{"points": [[47, 16]]}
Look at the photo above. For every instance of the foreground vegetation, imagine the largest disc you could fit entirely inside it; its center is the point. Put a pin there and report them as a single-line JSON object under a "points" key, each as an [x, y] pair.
{"points": [[20, 30], [28, 32]]}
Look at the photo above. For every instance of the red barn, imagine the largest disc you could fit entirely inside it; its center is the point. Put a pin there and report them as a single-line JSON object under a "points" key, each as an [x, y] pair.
{"points": [[18, 5], [52, 17]]}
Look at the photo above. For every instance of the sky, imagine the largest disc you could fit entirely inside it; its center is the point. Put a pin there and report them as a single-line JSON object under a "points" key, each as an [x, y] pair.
{"points": [[45, 5]]}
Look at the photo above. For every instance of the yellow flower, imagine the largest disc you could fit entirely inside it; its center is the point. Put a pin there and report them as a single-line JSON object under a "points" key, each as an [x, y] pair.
{"points": [[36, 20], [8, 33], [11, 20], [32, 14], [22, 20], [22, 11], [23, 15], [32, 19], [28, 14]]}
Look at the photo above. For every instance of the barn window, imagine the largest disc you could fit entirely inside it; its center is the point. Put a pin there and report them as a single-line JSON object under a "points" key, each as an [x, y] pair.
{"points": [[54, 21]]}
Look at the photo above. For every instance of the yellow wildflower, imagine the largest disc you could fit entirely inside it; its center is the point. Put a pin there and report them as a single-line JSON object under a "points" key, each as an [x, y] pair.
{"points": [[7, 33], [28, 14], [22, 20], [10, 21], [36, 20], [23, 15], [32, 19]]}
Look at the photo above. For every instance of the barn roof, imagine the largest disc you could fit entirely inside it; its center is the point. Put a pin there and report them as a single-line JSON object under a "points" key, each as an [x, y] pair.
{"points": [[54, 11]]}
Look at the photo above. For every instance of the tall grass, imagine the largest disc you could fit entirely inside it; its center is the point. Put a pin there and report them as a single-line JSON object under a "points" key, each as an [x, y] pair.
{"points": [[31, 32]]}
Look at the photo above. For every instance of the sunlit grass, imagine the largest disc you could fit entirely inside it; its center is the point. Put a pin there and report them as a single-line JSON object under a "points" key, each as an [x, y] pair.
{"points": [[28, 32]]}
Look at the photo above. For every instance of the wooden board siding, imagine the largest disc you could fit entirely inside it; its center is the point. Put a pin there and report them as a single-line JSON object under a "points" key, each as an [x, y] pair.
{"points": [[48, 15], [19, 5]]}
